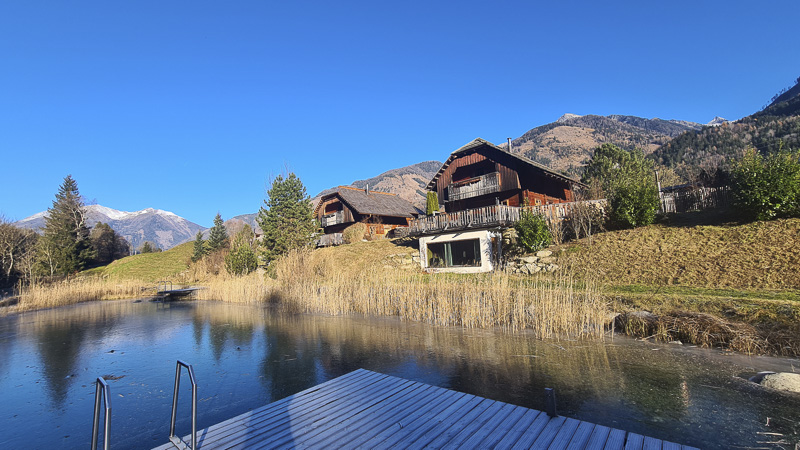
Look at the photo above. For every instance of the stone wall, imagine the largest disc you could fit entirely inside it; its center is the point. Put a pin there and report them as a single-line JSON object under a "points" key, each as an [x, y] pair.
{"points": [[542, 261]]}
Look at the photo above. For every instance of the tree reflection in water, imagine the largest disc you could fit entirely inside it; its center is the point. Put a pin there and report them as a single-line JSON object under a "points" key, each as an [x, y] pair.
{"points": [[246, 356]]}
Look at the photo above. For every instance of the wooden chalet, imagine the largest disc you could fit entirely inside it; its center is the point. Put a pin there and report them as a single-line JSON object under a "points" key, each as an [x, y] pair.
{"points": [[482, 174], [382, 212], [483, 189]]}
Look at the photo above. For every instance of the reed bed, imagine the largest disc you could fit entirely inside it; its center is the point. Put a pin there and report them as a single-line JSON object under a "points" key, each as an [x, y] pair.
{"points": [[75, 290], [252, 288], [551, 306]]}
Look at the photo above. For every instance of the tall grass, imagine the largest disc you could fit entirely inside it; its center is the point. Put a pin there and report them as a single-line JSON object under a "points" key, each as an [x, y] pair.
{"points": [[550, 307], [75, 290]]}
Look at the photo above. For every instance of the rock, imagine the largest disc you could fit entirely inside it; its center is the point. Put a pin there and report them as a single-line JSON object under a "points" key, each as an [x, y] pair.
{"points": [[784, 381], [529, 259], [532, 268], [547, 260], [543, 253]]}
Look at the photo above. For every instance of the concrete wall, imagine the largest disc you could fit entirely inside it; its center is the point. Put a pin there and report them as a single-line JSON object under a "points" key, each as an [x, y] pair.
{"points": [[485, 239]]}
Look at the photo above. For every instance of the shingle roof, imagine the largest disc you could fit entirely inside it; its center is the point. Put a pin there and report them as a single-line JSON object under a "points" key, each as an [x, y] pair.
{"points": [[375, 203], [478, 142]]}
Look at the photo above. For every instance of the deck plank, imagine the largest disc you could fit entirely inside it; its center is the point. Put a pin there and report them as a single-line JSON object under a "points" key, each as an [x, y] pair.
{"points": [[634, 442], [598, 439], [311, 419], [503, 428], [581, 437], [564, 435], [365, 409], [477, 430], [418, 432], [414, 398], [616, 440], [524, 424]]}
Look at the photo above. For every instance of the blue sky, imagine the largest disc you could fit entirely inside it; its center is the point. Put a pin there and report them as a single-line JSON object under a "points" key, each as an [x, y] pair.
{"points": [[193, 106]]}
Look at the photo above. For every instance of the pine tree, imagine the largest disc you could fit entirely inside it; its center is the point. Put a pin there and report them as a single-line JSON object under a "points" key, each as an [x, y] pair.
{"points": [[218, 236], [199, 249], [287, 221], [147, 247], [65, 247], [242, 258]]}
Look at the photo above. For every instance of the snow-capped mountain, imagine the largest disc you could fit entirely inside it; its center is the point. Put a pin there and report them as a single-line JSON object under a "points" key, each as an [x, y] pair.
{"points": [[163, 228]]}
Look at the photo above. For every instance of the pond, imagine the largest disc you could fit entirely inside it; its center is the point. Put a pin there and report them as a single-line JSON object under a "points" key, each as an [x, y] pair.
{"points": [[247, 356]]}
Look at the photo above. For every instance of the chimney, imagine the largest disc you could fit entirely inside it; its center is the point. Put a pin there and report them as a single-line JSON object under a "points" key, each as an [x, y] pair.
{"points": [[509, 144], [366, 189]]}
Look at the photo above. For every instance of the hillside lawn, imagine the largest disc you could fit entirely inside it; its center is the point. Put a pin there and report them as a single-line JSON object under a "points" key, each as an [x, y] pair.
{"points": [[148, 267]]}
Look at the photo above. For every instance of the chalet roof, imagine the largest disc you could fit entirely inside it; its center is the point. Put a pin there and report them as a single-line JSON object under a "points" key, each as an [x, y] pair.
{"points": [[366, 202], [478, 142]]}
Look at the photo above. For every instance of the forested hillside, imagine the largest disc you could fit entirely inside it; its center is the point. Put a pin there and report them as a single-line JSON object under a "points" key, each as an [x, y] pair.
{"points": [[776, 126]]}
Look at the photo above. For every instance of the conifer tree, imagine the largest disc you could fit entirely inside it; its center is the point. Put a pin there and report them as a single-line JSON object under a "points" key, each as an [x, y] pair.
{"points": [[107, 245], [287, 220], [199, 249], [65, 247], [147, 247], [431, 203], [242, 258], [218, 236]]}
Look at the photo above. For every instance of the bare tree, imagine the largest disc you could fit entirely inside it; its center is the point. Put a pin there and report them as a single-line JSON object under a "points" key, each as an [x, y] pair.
{"points": [[584, 216]]}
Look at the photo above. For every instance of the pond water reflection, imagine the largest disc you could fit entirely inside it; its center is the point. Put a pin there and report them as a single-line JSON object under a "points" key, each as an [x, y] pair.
{"points": [[247, 356]]}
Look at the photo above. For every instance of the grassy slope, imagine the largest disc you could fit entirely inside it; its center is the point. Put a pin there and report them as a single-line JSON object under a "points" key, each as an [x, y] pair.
{"points": [[742, 273], [754, 256], [148, 267]]}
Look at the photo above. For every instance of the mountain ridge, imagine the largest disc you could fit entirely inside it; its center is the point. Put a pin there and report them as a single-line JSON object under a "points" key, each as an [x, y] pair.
{"points": [[163, 228], [566, 144]]}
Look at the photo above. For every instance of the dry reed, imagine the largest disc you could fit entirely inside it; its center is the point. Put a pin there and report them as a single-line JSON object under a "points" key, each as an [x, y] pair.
{"points": [[550, 306], [75, 290]]}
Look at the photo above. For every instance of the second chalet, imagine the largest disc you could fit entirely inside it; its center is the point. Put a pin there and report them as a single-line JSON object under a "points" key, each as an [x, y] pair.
{"points": [[482, 188], [380, 211]]}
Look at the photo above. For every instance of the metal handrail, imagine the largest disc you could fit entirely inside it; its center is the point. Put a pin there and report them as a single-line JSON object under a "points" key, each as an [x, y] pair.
{"points": [[101, 389], [172, 437], [158, 286]]}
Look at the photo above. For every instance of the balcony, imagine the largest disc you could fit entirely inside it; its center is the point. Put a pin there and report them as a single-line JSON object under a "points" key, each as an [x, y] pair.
{"points": [[473, 187], [493, 216], [333, 219]]}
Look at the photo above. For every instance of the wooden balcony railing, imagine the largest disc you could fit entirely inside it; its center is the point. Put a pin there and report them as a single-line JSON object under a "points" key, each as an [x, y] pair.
{"points": [[489, 216], [333, 219], [484, 184]]}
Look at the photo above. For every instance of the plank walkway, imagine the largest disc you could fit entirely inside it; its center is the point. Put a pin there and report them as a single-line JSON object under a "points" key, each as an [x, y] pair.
{"points": [[365, 409]]}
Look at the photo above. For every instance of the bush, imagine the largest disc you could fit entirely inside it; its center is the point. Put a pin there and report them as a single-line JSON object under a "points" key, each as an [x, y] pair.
{"points": [[241, 260], [627, 179], [532, 232], [767, 188], [634, 204], [354, 233]]}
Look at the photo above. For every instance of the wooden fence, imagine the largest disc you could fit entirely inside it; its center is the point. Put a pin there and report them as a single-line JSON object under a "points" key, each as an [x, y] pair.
{"points": [[696, 199]]}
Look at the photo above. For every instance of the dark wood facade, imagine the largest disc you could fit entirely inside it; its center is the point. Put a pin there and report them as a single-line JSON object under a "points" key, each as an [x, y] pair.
{"points": [[382, 212], [481, 174]]}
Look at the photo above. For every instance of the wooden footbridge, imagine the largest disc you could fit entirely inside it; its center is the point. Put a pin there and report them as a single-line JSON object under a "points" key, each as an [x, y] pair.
{"points": [[364, 409], [165, 291]]}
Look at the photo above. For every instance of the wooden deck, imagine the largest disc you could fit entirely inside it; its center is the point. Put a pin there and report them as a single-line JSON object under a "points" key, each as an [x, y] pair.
{"points": [[365, 409]]}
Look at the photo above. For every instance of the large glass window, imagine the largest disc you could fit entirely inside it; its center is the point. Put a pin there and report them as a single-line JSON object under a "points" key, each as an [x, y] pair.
{"points": [[465, 253]]}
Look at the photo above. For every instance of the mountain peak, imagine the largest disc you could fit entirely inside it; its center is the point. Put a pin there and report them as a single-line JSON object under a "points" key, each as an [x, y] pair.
{"points": [[717, 121], [567, 117]]}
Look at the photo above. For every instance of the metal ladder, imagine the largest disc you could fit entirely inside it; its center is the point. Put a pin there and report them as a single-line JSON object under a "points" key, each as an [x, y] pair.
{"points": [[104, 391], [172, 437], [163, 283]]}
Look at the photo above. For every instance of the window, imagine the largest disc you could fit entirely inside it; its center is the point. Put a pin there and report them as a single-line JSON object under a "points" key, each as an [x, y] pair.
{"points": [[465, 253]]}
